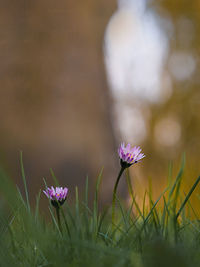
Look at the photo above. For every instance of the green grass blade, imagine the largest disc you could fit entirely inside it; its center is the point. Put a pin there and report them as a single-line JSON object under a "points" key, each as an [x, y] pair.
{"points": [[150, 193], [21, 197], [54, 220], [144, 202], [37, 205], [180, 173], [130, 189], [86, 191], [95, 209], [193, 211], [54, 177], [69, 212], [24, 180], [65, 221], [122, 212], [187, 197], [77, 210], [155, 215], [103, 216], [153, 207]]}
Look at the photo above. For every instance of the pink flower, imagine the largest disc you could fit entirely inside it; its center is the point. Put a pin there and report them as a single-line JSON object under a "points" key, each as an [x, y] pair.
{"points": [[56, 195], [128, 155]]}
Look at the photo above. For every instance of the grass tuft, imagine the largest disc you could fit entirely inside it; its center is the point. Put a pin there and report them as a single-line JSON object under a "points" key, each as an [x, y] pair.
{"points": [[164, 232]]}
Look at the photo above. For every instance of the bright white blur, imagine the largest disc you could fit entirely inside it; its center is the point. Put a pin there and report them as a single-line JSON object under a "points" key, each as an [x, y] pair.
{"points": [[136, 50], [140, 68]]}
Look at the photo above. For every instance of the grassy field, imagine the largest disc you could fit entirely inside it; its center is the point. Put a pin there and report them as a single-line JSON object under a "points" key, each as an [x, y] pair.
{"points": [[164, 232]]}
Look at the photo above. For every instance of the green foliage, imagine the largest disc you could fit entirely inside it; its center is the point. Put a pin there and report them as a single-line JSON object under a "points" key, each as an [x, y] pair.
{"points": [[161, 233]]}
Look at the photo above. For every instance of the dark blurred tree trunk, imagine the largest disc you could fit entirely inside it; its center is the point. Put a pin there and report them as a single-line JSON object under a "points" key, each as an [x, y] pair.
{"points": [[54, 102]]}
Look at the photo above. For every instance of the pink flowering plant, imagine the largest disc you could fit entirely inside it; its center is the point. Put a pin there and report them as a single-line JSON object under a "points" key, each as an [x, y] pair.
{"points": [[57, 197], [128, 156]]}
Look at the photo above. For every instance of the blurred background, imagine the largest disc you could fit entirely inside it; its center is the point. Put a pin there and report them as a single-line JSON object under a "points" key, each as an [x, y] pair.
{"points": [[79, 78]]}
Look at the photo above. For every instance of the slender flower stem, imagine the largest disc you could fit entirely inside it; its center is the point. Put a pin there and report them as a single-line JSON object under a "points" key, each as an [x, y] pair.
{"points": [[58, 217], [114, 194]]}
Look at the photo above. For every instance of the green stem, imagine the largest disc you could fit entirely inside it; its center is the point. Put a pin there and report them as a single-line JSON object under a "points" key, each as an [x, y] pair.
{"points": [[58, 217], [114, 194]]}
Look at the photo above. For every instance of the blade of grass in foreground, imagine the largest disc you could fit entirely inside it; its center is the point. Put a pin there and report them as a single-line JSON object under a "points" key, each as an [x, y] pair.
{"points": [[177, 181], [54, 221], [66, 223], [192, 209], [101, 219], [130, 189], [187, 197], [77, 208], [86, 208], [97, 193], [165, 216], [37, 205], [86, 191], [153, 207], [95, 207], [122, 211], [24, 180]]}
